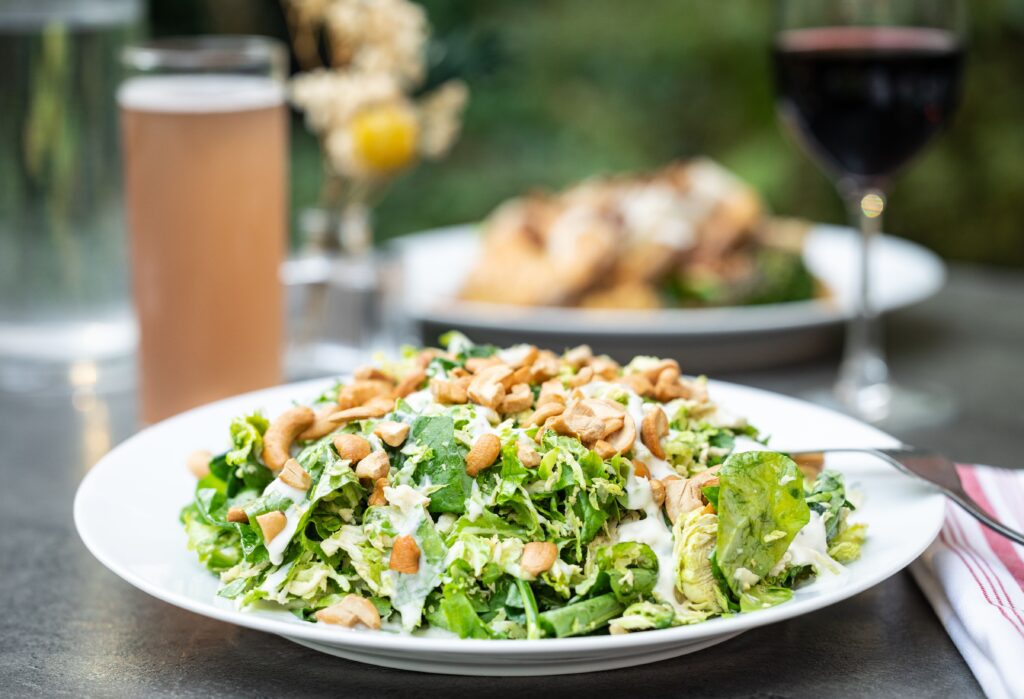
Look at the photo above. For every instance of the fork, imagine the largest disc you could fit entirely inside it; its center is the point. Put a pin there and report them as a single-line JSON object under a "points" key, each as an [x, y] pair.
{"points": [[935, 469]]}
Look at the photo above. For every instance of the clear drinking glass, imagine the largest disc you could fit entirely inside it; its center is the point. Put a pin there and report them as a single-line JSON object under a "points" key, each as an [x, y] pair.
{"points": [[65, 314], [864, 85], [205, 141]]}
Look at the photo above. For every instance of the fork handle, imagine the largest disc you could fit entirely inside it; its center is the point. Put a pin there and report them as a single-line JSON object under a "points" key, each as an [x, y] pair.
{"points": [[960, 497], [968, 505]]}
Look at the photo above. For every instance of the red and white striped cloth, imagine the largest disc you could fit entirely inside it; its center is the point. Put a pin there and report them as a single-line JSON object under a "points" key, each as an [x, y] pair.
{"points": [[974, 578]]}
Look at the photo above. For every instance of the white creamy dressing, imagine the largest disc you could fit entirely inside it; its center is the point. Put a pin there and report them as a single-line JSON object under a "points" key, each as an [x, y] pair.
{"points": [[653, 531], [419, 400], [746, 578], [294, 513], [284, 490], [410, 590], [274, 580], [810, 547], [475, 504], [375, 443], [719, 417]]}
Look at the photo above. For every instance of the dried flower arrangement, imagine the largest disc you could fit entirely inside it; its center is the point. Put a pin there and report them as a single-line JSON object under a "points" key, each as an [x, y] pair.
{"points": [[363, 62]]}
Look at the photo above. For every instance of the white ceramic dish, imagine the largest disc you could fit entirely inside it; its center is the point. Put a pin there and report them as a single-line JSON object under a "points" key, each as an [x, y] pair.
{"points": [[435, 264], [126, 511]]}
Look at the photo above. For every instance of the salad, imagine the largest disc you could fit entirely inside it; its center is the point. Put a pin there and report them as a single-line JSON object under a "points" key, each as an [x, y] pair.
{"points": [[513, 493]]}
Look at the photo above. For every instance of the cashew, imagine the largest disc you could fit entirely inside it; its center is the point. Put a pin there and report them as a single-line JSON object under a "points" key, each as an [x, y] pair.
{"points": [[640, 469], [527, 454], [544, 367], [604, 449], [520, 398], [426, 356], [349, 612], [374, 466], [322, 424], [591, 419], [613, 424], [294, 475], [578, 356], [552, 391], [475, 364], [391, 433], [668, 387], [623, 440], [580, 422], [237, 514], [606, 409], [377, 497], [405, 555], [352, 447], [375, 407], [271, 523], [543, 413], [538, 557], [485, 452], [549, 424], [639, 384], [605, 367], [371, 373], [682, 496], [694, 390], [359, 392], [652, 429], [410, 382], [487, 388], [582, 377], [198, 462], [654, 373], [277, 441], [657, 492], [451, 392]]}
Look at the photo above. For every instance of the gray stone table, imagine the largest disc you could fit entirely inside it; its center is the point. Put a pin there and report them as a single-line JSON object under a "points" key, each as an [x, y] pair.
{"points": [[70, 627]]}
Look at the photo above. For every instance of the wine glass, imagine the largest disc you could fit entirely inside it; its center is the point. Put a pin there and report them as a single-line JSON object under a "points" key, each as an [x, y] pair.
{"points": [[864, 85]]}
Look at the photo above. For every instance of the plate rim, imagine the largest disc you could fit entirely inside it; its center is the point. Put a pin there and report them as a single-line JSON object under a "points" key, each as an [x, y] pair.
{"points": [[685, 322], [356, 638]]}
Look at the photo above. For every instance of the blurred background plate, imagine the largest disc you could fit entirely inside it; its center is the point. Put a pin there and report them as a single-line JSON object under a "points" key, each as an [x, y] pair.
{"points": [[434, 264]]}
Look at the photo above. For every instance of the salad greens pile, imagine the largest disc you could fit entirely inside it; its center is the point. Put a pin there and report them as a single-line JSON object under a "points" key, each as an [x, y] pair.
{"points": [[513, 493]]}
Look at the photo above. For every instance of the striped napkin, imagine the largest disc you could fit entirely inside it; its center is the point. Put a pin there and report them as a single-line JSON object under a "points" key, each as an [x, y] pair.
{"points": [[974, 578]]}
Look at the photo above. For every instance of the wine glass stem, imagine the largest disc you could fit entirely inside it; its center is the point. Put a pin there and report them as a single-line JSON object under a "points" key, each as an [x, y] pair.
{"points": [[863, 385]]}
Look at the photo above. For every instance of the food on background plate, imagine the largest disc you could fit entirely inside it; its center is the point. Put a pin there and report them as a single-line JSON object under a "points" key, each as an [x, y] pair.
{"points": [[691, 234], [513, 493]]}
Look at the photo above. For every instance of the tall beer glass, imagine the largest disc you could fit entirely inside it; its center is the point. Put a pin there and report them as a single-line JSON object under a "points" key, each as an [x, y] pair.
{"points": [[204, 133]]}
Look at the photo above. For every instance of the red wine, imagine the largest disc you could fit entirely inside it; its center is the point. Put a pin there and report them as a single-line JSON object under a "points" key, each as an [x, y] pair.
{"points": [[866, 99]]}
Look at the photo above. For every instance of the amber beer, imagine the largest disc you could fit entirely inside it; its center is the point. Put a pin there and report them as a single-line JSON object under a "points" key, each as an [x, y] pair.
{"points": [[205, 177]]}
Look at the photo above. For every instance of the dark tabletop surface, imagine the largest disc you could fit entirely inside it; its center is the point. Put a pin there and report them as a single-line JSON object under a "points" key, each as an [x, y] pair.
{"points": [[70, 627]]}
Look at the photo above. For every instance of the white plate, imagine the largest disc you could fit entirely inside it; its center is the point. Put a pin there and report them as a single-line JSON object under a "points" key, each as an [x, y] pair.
{"points": [[704, 340], [126, 511], [435, 264]]}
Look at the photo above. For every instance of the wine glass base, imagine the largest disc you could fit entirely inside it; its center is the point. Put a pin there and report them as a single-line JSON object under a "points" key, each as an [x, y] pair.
{"points": [[891, 407]]}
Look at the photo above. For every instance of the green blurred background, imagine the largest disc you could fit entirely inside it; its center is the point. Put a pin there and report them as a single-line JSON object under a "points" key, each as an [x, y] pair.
{"points": [[563, 89]]}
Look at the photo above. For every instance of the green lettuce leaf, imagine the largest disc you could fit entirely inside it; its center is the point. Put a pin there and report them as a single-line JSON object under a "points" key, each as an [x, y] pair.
{"points": [[828, 498], [761, 508], [444, 466]]}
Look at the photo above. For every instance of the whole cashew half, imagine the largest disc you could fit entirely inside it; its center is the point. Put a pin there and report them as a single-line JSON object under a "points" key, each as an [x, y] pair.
{"points": [[277, 441]]}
